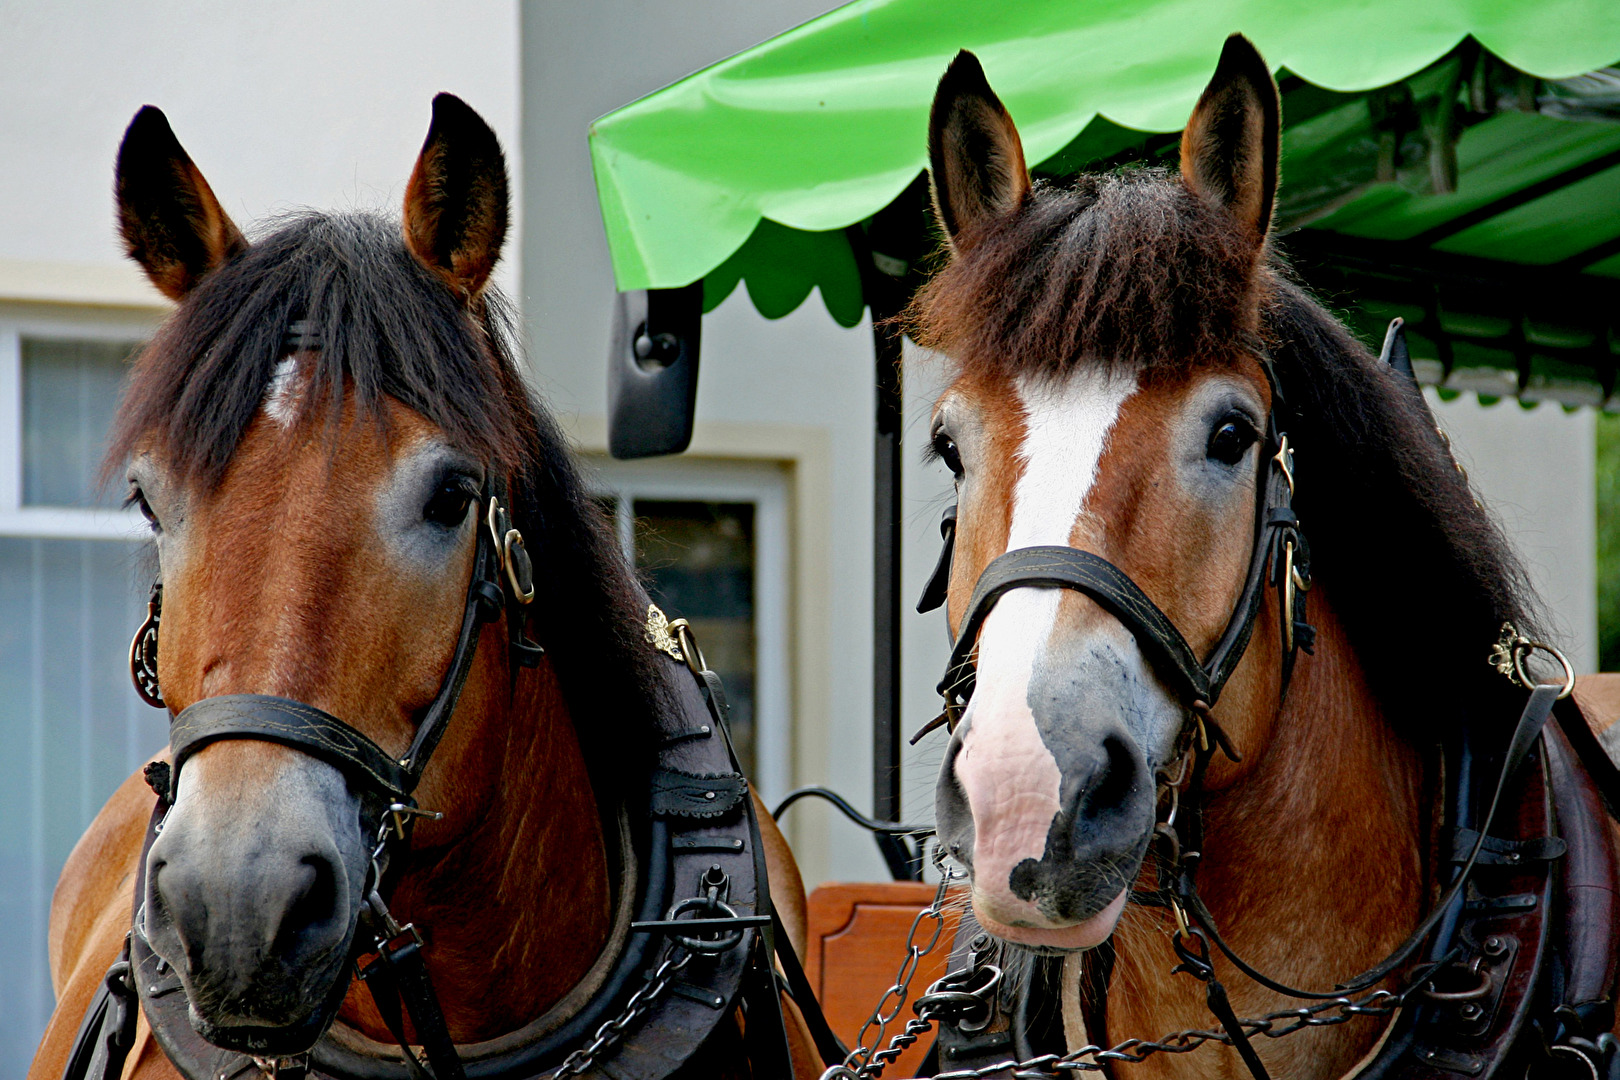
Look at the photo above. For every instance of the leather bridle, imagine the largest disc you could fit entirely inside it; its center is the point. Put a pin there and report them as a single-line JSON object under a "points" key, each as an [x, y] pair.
{"points": [[502, 581], [1279, 544], [1280, 556], [386, 779]]}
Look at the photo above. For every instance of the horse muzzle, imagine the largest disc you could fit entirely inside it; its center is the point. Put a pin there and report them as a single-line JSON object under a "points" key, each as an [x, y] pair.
{"points": [[1047, 794], [253, 892]]}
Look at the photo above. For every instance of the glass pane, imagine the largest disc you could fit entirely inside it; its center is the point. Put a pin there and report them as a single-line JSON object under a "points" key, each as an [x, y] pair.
{"points": [[70, 390], [71, 731], [698, 561]]}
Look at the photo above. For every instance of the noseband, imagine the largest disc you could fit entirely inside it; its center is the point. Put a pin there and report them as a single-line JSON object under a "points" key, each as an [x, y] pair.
{"points": [[1278, 544]]}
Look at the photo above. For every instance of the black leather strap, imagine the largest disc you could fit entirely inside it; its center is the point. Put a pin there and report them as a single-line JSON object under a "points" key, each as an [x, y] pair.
{"points": [[1071, 568], [407, 980], [1536, 711], [290, 723], [319, 733], [1276, 526], [828, 1044], [107, 1031], [1221, 1007], [939, 582], [379, 979]]}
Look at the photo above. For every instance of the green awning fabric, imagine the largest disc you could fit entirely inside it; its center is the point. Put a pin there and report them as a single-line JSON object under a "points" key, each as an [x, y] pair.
{"points": [[821, 127], [1454, 162]]}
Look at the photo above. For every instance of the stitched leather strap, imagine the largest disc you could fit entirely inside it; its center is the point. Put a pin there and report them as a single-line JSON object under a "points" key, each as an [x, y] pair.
{"points": [[1071, 568], [290, 723], [1112, 588]]}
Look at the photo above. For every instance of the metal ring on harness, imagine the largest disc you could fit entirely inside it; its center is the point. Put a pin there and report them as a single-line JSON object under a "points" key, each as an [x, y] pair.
{"points": [[1522, 651], [707, 946]]}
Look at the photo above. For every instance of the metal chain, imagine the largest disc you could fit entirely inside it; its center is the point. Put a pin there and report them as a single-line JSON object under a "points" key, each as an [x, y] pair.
{"points": [[614, 1030], [1275, 1025], [865, 1061], [1094, 1058]]}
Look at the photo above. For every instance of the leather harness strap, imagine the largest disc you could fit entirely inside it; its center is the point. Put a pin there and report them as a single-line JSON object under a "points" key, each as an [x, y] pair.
{"points": [[1280, 544], [705, 833]]}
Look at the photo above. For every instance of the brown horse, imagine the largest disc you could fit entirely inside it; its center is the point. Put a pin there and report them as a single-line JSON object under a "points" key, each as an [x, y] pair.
{"points": [[1110, 394], [314, 436]]}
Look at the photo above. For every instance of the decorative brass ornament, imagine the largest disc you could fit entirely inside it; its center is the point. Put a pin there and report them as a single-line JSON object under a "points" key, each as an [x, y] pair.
{"points": [[1284, 457], [658, 635], [143, 652], [1511, 650]]}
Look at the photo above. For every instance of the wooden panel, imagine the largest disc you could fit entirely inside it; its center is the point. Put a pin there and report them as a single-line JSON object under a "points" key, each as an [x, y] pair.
{"points": [[856, 941]]}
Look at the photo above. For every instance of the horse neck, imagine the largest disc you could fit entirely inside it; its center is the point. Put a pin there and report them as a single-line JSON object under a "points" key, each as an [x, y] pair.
{"points": [[517, 909], [1313, 867]]}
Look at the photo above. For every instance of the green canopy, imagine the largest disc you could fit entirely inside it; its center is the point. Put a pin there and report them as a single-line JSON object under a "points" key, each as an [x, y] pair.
{"points": [[1472, 135]]}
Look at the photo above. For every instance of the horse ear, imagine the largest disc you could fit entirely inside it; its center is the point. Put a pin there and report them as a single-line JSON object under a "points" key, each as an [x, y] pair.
{"points": [[456, 202], [975, 158], [171, 222], [1229, 149]]}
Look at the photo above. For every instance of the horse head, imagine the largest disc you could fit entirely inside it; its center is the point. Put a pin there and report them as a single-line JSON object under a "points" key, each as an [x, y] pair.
{"points": [[314, 437], [1109, 396]]}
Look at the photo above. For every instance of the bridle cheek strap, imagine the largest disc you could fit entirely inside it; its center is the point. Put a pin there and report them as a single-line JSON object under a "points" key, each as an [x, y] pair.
{"points": [[322, 735], [1278, 544]]}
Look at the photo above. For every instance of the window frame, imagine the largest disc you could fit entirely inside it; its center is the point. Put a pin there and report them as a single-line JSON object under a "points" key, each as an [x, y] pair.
{"points": [[53, 522], [766, 486]]}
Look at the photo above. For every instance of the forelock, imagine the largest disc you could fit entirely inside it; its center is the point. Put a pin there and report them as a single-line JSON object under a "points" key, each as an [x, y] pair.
{"points": [[1128, 269]]}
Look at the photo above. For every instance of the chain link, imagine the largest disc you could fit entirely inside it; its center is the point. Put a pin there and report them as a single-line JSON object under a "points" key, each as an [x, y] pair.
{"points": [[865, 1062], [1274, 1025], [609, 1034]]}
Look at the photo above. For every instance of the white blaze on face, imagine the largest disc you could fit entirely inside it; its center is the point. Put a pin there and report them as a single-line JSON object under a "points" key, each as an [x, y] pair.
{"points": [[278, 396], [1009, 776]]}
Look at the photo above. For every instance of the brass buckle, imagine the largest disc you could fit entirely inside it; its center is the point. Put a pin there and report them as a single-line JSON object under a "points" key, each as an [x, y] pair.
{"points": [[689, 646], [511, 557], [492, 519], [1293, 583], [515, 553]]}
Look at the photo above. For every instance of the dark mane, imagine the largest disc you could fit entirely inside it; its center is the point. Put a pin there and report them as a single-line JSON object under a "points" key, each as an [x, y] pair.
{"points": [[1127, 269], [1132, 270], [389, 327]]}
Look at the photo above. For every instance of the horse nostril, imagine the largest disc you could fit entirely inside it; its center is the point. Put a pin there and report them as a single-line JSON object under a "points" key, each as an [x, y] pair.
{"points": [[1117, 778], [315, 906]]}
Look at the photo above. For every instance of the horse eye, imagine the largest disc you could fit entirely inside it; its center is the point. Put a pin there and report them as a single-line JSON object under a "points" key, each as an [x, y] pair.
{"points": [[448, 506], [137, 499], [1231, 441], [944, 448]]}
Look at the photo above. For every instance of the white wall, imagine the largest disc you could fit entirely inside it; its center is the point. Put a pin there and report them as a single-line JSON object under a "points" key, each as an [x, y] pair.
{"points": [[579, 62], [1535, 470], [298, 103]]}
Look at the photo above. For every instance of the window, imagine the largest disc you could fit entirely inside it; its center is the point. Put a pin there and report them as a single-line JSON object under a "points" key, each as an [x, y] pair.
{"points": [[709, 540], [74, 574]]}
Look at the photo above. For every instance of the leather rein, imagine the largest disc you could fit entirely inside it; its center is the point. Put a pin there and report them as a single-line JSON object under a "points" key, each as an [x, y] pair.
{"points": [[1280, 558]]}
